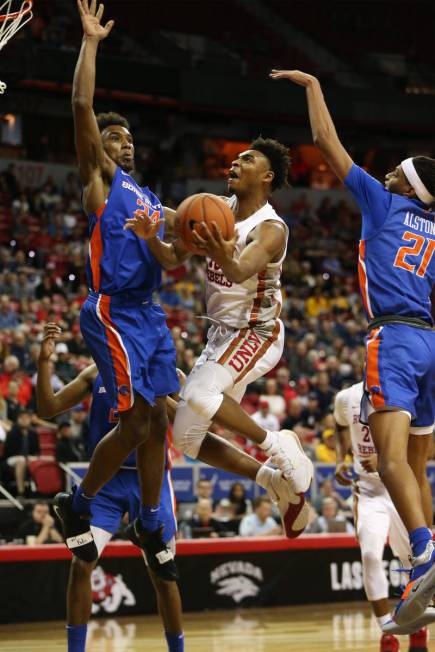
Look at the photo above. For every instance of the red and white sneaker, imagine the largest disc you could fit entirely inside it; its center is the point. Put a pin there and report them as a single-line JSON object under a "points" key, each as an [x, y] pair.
{"points": [[418, 641], [293, 509], [389, 643]]}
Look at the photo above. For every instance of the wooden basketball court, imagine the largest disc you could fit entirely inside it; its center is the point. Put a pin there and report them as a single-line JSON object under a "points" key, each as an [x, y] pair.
{"points": [[291, 629]]}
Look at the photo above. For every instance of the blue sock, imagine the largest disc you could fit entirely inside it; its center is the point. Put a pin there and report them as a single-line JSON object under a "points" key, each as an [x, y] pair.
{"points": [[81, 503], [175, 642], [419, 539], [149, 517], [76, 637]]}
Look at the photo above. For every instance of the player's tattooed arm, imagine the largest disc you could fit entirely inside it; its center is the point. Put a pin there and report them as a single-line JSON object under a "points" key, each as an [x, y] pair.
{"points": [[49, 404], [265, 245], [322, 127], [342, 448], [94, 164]]}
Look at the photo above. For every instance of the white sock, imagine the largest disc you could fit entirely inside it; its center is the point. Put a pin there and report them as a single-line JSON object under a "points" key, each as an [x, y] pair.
{"points": [[270, 442], [264, 476], [383, 620]]}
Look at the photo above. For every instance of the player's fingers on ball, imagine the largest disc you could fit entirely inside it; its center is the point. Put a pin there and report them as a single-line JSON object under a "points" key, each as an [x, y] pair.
{"points": [[197, 238]]}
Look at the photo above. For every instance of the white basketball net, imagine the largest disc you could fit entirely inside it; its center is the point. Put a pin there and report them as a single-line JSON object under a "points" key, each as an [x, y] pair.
{"points": [[11, 22]]}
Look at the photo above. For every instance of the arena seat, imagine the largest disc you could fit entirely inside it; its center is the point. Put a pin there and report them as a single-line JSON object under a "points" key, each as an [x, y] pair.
{"points": [[47, 476], [47, 442]]}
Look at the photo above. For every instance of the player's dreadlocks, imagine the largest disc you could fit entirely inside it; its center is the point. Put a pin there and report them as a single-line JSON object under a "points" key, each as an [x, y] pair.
{"points": [[108, 119], [278, 156]]}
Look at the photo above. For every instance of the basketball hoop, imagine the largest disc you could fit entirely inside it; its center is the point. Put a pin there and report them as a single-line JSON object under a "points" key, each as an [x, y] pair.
{"points": [[11, 22]]}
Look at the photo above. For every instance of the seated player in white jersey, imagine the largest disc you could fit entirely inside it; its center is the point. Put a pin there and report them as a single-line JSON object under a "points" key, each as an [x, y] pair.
{"points": [[376, 519], [119, 495], [246, 337]]}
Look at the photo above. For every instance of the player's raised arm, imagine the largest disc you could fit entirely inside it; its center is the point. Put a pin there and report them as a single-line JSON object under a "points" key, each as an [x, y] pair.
{"points": [[169, 255], [322, 126], [50, 404], [89, 147]]}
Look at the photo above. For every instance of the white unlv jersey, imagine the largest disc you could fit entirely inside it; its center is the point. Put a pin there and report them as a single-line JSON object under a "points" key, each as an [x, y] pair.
{"points": [[346, 413], [258, 299]]}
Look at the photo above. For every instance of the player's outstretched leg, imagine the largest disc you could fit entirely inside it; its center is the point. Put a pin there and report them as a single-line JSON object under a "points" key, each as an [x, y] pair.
{"points": [[390, 435], [211, 394], [190, 434]]}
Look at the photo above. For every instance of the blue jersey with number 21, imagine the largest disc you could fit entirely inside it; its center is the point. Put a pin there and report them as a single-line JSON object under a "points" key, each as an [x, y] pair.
{"points": [[396, 252]]}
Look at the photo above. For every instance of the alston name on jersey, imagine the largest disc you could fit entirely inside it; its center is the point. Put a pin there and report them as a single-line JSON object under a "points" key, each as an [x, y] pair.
{"points": [[419, 223]]}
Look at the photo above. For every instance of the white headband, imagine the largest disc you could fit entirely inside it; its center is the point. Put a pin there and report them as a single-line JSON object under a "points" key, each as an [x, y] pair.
{"points": [[414, 180]]}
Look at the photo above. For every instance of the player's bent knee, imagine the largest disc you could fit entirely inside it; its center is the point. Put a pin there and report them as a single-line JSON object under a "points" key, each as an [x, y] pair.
{"points": [[203, 401], [188, 438]]}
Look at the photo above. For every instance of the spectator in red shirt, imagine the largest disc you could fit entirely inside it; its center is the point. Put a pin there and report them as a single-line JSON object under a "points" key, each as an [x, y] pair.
{"points": [[283, 381], [11, 371]]}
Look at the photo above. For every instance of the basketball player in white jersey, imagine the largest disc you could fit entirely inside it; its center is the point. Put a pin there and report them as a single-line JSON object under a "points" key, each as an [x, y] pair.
{"points": [[376, 519], [246, 337]]}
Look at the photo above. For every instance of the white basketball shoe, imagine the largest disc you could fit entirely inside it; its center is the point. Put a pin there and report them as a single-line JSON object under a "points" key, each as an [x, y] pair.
{"points": [[288, 455]]}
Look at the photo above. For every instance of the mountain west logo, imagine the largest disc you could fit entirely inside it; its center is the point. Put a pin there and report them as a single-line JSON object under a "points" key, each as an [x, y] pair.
{"points": [[235, 579], [109, 592]]}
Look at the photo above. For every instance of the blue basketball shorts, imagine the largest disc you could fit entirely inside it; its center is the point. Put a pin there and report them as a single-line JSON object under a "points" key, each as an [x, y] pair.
{"points": [[131, 346], [400, 373], [122, 494]]}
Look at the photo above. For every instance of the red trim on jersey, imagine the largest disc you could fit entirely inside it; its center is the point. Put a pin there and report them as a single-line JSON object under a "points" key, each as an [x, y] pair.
{"points": [[119, 356], [96, 249], [372, 369], [258, 299], [260, 353]]}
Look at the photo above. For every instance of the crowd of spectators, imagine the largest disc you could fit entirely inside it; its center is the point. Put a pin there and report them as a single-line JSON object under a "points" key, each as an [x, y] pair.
{"points": [[43, 246]]}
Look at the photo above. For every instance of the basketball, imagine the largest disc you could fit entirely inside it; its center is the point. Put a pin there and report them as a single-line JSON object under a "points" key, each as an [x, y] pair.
{"points": [[199, 208]]}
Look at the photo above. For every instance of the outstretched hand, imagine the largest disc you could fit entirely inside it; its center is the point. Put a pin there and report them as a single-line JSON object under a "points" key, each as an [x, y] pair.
{"points": [[142, 225], [296, 76], [91, 20]]}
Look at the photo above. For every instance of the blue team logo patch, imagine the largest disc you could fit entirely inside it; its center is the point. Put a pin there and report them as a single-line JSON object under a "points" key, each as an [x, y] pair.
{"points": [[123, 390], [375, 389]]}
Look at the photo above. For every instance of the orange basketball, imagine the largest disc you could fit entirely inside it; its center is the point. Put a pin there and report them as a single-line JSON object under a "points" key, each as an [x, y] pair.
{"points": [[203, 208]]}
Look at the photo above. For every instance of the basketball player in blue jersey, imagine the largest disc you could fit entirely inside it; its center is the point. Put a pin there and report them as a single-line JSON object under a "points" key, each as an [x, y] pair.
{"points": [[124, 330], [119, 495], [397, 277]]}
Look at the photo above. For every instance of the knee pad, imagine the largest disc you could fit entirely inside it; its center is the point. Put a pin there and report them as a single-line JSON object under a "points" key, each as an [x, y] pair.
{"points": [[189, 430], [204, 390]]}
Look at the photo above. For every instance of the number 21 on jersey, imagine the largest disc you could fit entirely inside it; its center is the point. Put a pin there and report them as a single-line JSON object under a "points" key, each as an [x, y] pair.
{"points": [[405, 255]]}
